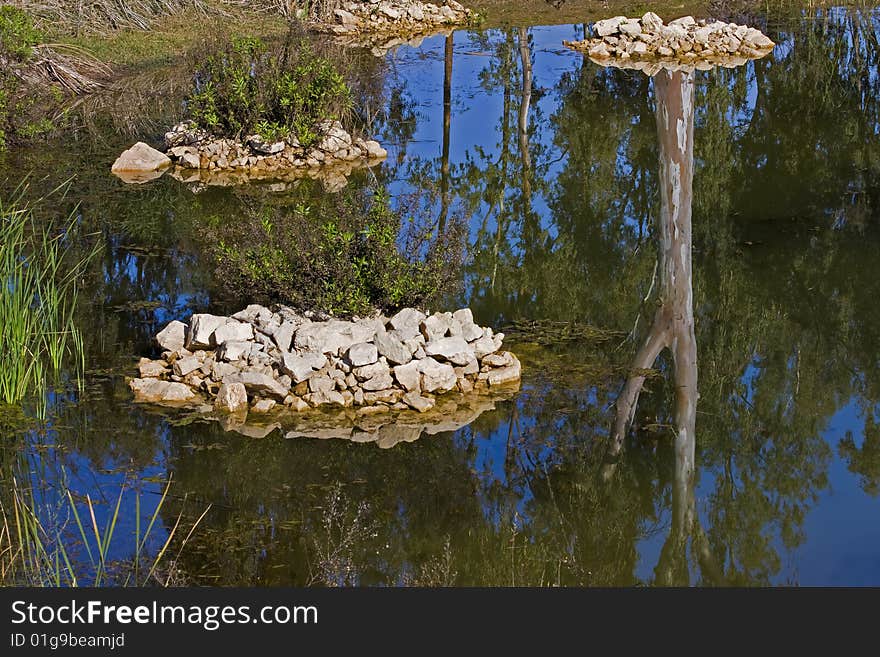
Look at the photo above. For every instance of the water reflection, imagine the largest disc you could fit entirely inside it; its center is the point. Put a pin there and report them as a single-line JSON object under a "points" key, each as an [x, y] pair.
{"points": [[556, 162]]}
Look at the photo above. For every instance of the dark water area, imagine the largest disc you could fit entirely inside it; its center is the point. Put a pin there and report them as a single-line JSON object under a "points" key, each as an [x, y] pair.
{"points": [[553, 163]]}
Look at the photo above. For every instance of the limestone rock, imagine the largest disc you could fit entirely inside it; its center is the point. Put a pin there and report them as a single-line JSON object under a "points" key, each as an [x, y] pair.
{"points": [[407, 323], [436, 377], [237, 331], [151, 369], [301, 367], [172, 337], [141, 158], [608, 26], [452, 349], [393, 349], [362, 353], [263, 406], [158, 391], [418, 403], [258, 384], [409, 376], [201, 330], [332, 336], [231, 398], [505, 375]]}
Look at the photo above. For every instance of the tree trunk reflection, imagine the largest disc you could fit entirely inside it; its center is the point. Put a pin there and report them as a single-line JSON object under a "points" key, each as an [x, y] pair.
{"points": [[673, 323]]}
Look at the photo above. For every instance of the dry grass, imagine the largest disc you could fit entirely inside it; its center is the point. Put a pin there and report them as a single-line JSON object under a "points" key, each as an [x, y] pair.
{"points": [[103, 16]]}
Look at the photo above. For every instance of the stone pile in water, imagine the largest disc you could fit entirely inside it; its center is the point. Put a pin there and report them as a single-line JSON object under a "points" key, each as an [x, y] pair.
{"points": [[359, 17], [646, 43], [191, 148], [257, 359]]}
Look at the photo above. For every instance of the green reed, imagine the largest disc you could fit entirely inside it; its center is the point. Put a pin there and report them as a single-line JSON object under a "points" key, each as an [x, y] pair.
{"points": [[38, 294], [63, 544]]}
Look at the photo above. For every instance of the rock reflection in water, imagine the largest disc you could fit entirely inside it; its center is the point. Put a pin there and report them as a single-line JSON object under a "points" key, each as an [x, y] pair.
{"points": [[451, 413]]}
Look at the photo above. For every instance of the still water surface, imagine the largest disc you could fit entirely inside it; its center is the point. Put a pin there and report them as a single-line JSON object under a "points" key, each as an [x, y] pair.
{"points": [[553, 162]]}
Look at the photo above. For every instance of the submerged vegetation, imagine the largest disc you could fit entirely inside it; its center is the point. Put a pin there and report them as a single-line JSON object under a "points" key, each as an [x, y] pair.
{"points": [[351, 255], [249, 88], [39, 277], [62, 543]]}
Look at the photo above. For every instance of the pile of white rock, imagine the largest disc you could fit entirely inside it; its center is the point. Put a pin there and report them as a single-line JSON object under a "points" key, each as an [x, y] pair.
{"points": [[191, 148], [258, 359], [691, 43], [374, 17]]}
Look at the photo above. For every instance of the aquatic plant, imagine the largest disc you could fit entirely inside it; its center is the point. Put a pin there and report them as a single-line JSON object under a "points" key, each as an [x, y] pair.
{"points": [[346, 254], [249, 88], [38, 294], [63, 543]]}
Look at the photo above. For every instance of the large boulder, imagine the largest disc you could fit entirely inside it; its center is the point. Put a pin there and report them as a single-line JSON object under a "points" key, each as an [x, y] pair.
{"points": [[140, 162]]}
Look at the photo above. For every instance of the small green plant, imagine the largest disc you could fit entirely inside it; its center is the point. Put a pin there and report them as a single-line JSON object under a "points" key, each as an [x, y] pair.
{"points": [[249, 88], [352, 255], [38, 294], [18, 36], [63, 544]]}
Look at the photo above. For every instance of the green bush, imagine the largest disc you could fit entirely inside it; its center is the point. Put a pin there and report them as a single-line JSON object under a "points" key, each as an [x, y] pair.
{"points": [[249, 88], [22, 107], [18, 36], [365, 257]]}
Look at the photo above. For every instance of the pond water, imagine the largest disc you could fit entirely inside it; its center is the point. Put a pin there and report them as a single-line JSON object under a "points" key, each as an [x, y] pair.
{"points": [[553, 163]]}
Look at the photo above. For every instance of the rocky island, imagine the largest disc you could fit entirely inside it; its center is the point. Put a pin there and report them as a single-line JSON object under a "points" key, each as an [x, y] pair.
{"points": [[648, 44], [264, 361]]}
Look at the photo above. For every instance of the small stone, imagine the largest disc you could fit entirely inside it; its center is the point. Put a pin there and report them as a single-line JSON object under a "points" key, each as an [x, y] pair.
{"points": [[321, 384], [498, 360], [151, 368], [436, 377], [436, 326], [237, 331], [156, 390], [418, 403], [232, 350], [363, 353], [393, 349], [231, 398], [183, 366], [172, 337], [201, 330], [407, 322], [258, 384], [301, 367], [263, 406], [370, 371], [651, 22], [374, 150], [297, 404], [379, 382], [283, 335], [453, 349], [608, 26], [506, 375], [409, 376], [323, 398], [630, 28]]}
